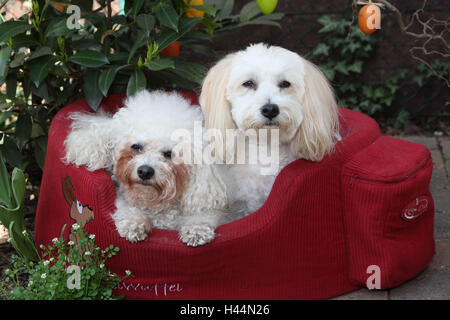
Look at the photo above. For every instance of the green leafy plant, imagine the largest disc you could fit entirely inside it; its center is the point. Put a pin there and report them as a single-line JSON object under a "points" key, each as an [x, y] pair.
{"points": [[50, 278], [439, 69], [49, 58], [342, 57], [12, 198]]}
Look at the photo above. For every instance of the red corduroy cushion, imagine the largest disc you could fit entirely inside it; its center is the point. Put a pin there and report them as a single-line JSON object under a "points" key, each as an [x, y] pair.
{"points": [[322, 226]]}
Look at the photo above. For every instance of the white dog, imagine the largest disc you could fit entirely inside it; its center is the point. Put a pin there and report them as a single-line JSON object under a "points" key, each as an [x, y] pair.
{"points": [[269, 87], [155, 186]]}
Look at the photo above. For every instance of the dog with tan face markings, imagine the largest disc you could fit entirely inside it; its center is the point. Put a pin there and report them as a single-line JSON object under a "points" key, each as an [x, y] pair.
{"points": [[156, 186]]}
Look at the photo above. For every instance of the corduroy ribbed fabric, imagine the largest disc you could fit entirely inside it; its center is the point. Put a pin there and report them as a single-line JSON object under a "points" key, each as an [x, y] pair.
{"points": [[322, 226]]}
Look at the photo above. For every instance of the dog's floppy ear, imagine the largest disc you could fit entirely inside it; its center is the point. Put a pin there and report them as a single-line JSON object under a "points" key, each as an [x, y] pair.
{"points": [[317, 133], [215, 107], [91, 141]]}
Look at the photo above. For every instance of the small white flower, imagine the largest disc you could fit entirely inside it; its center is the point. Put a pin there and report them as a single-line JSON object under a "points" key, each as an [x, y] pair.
{"points": [[24, 232], [87, 253], [55, 240], [46, 262], [30, 283], [128, 272], [70, 243], [51, 259], [43, 276], [92, 236], [42, 246], [75, 226], [101, 266]]}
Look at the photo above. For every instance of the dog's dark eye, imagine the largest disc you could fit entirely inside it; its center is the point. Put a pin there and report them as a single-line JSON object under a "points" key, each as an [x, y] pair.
{"points": [[249, 84], [284, 84], [136, 147], [167, 154]]}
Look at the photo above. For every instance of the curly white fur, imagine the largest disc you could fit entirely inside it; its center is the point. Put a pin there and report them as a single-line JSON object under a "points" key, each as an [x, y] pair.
{"points": [[307, 119], [184, 197]]}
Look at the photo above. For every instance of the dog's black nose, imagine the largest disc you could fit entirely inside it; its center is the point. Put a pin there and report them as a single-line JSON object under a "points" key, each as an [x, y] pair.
{"points": [[270, 110], [145, 172]]}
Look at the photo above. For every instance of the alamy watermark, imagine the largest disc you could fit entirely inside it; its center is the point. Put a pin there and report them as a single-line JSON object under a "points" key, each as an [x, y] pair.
{"points": [[213, 146], [374, 280]]}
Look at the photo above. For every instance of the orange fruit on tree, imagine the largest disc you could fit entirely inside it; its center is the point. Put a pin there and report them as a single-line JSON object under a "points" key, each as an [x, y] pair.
{"points": [[194, 13], [172, 50], [369, 18], [60, 6]]}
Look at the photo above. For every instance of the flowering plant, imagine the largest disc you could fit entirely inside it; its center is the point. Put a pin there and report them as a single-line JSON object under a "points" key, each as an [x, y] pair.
{"points": [[66, 271]]}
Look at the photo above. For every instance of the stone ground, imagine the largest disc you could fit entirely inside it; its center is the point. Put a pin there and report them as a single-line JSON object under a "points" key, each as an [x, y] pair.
{"points": [[434, 282]]}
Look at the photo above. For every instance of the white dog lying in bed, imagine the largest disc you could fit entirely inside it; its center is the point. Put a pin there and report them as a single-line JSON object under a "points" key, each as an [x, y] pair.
{"points": [[268, 87], [155, 186]]}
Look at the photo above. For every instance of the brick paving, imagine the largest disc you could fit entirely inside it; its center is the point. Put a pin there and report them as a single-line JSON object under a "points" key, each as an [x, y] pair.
{"points": [[434, 282]]}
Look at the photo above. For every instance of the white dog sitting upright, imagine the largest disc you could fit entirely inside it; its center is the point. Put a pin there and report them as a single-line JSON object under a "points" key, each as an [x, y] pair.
{"points": [[156, 187], [269, 87]]}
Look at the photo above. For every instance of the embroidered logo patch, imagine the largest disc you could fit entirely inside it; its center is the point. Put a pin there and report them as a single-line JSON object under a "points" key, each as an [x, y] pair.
{"points": [[416, 208]]}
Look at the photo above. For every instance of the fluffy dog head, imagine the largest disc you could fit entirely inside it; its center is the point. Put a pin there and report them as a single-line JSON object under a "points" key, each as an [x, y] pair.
{"points": [[135, 143], [271, 87]]}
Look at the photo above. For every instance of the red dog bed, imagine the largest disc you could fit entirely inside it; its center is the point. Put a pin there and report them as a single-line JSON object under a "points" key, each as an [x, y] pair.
{"points": [[320, 233]]}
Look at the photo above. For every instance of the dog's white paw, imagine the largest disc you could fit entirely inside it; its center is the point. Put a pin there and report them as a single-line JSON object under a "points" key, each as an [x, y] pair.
{"points": [[196, 235], [134, 230]]}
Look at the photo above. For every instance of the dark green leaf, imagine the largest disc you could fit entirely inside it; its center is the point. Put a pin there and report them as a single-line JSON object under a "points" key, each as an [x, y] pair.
{"points": [[18, 183], [117, 56], [18, 60], [23, 128], [119, 19], [138, 43], [191, 71], [86, 5], [106, 78], [5, 186], [321, 49], [146, 22], [11, 152], [40, 68], [249, 11], [57, 28], [161, 64], [169, 36], [137, 5], [356, 67], [92, 93], [207, 9], [89, 58], [10, 29], [11, 85], [136, 83], [41, 91], [42, 51], [39, 149], [268, 20], [5, 54], [419, 80], [167, 15], [24, 40], [341, 67], [226, 9], [202, 49]]}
